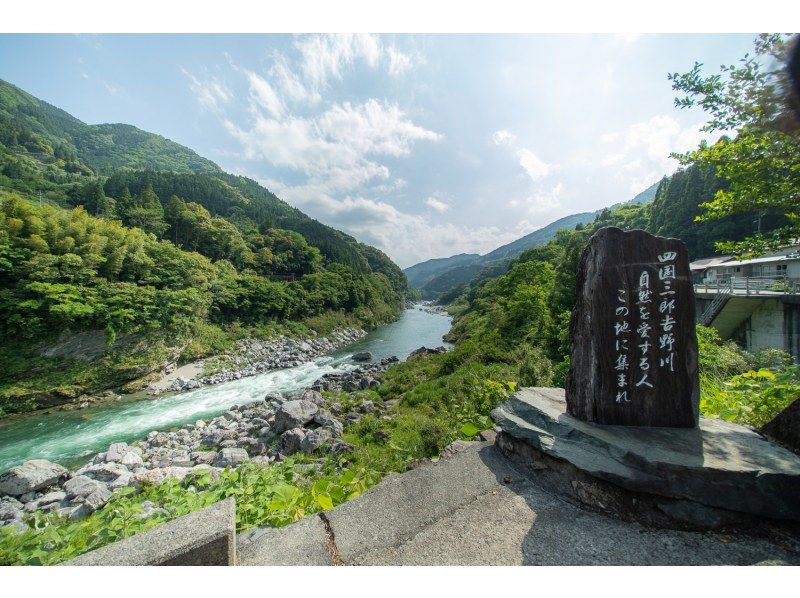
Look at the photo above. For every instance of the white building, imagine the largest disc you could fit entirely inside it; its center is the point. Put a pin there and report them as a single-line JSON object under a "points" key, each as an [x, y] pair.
{"points": [[755, 302]]}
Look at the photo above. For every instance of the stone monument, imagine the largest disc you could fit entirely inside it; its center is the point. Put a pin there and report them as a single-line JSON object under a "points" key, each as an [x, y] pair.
{"points": [[632, 334], [625, 436]]}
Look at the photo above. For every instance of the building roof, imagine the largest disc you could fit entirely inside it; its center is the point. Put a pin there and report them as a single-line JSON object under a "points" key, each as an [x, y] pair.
{"points": [[708, 262], [765, 260]]}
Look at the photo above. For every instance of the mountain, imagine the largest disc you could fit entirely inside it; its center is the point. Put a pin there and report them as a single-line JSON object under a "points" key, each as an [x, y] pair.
{"points": [[104, 147], [436, 276], [122, 236], [51, 141], [421, 273]]}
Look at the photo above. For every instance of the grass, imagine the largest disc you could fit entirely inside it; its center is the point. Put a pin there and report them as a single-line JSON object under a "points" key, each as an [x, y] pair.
{"points": [[435, 410]]}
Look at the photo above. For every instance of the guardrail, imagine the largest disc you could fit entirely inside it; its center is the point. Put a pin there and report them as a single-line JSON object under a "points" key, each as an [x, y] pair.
{"points": [[750, 285]]}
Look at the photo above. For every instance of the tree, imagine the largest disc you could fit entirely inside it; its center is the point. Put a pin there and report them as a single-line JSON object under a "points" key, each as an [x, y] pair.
{"points": [[147, 213], [94, 198], [751, 103]]}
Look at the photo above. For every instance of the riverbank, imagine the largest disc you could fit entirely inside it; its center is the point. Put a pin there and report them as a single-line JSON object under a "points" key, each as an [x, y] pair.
{"points": [[260, 433], [250, 357]]}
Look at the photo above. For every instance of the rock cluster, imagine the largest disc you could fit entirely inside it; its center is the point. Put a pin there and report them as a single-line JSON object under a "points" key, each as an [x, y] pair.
{"points": [[261, 432], [253, 356], [361, 378]]}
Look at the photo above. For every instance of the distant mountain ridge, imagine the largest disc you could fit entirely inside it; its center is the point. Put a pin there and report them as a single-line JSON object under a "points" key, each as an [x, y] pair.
{"points": [[440, 274]]}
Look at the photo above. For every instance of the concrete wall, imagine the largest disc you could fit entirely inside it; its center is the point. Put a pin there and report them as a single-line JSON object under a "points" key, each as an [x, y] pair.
{"points": [[205, 537], [765, 329]]}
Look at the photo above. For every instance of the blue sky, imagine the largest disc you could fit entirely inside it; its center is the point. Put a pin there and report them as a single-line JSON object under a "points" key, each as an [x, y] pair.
{"points": [[423, 145]]}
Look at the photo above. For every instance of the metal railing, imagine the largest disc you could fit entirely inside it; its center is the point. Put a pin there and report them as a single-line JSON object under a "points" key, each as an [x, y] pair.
{"points": [[750, 285], [716, 305]]}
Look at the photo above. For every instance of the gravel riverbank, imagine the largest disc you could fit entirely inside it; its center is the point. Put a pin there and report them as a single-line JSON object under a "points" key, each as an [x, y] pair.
{"points": [[264, 431]]}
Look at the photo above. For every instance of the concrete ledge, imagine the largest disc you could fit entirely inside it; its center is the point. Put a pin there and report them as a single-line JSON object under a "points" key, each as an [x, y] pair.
{"points": [[301, 543], [205, 537]]}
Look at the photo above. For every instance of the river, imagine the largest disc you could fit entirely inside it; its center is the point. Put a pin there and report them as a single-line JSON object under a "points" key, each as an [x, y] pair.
{"points": [[68, 437]]}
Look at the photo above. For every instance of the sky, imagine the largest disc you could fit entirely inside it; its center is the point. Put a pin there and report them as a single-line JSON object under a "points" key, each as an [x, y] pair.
{"points": [[425, 146]]}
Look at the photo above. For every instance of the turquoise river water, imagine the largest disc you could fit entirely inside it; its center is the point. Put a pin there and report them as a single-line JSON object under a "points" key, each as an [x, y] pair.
{"points": [[69, 436]]}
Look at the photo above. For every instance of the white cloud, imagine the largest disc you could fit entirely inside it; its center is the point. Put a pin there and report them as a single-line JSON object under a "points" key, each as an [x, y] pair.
{"points": [[210, 94], [437, 205], [503, 137], [535, 167], [399, 62], [640, 154], [263, 95], [337, 149], [540, 203]]}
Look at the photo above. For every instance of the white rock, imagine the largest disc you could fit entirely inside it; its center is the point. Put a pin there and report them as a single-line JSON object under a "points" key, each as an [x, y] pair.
{"points": [[30, 476]]}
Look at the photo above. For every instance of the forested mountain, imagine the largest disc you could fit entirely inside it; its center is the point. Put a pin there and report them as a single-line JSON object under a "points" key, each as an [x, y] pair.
{"points": [[419, 274], [438, 276], [677, 205], [110, 228], [35, 124]]}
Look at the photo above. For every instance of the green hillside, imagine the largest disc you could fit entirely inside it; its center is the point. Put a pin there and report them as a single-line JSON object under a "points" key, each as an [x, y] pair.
{"points": [[103, 147], [112, 229]]}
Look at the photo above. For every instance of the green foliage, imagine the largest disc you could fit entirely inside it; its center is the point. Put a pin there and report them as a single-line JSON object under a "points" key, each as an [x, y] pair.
{"points": [[271, 495], [761, 162], [754, 397]]}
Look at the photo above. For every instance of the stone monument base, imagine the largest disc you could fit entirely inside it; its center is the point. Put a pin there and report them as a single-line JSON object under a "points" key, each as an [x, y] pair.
{"points": [[716, 475]]}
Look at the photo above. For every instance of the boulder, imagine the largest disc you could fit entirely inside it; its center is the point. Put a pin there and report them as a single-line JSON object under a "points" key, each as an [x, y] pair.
{"points": [[294, 414], [105, 472], [117, 451], [204, 457], [81, 485], [231, 457], [131, 459], [30, 476], [10, 508], [314, 440], [313, 396], [363, 356], [158, 475], [124, 479], [291, 441], [326, 420], [785, 427], [97, 499], [44, 500]]}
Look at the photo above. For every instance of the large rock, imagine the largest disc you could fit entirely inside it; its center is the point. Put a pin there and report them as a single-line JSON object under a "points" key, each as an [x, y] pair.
{"points": [[45, 500], [633, 345], [231, 457], [718, 464], [785, 427], [105, 472], [117, 451], [291, 441], [81, 486], [97, 499], [30, 476], [294, 414], [363, 356], [314, 440], [326, 420]]}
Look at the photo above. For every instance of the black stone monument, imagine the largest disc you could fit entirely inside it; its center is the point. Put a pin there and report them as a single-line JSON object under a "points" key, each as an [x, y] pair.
{"points": [[632, 334]]}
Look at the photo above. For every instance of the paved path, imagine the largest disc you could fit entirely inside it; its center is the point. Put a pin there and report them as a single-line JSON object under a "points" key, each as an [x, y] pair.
{"points": [[460, 511]]}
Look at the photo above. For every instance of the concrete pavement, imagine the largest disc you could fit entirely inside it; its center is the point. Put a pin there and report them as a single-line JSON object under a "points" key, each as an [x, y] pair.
{"points": [[476, 508]]}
